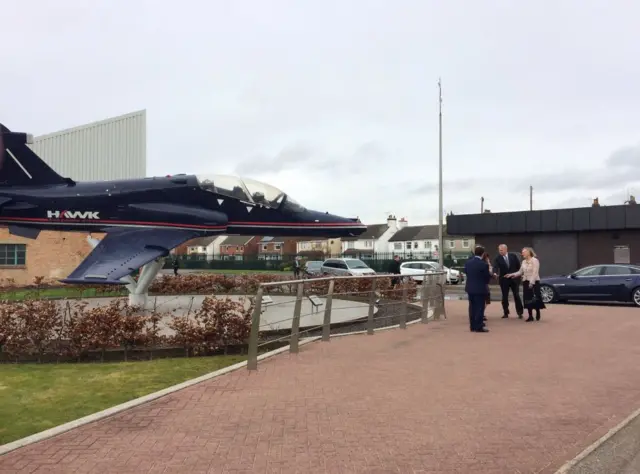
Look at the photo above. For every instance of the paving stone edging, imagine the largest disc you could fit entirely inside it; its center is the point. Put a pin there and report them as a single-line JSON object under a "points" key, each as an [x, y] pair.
{"points": [[585, 461], [41, 436]]}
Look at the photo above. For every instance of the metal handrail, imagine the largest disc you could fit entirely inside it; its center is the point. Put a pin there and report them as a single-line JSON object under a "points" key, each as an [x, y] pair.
{"points": [[427, 296], [348, 277]]}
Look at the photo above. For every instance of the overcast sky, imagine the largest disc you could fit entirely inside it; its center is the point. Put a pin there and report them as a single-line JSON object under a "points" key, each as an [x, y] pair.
{"points": [[336, 102]]}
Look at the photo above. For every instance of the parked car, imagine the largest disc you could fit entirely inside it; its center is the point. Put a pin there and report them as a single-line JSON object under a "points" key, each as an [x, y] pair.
{"points": [[453, 276], [312, 268], [346, 267], [416, 271], [594, 283]]}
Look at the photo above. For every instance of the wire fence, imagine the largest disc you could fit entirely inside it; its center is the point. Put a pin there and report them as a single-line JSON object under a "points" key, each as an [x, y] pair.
{"points": [[334, 305]]}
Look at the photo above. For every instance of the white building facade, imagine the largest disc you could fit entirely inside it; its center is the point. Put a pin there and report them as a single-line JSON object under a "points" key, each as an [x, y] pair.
{"points": [[375, 240], [115, 148]]}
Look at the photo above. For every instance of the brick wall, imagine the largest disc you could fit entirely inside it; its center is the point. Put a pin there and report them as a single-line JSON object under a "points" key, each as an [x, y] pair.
{"points": [[52, 255]]}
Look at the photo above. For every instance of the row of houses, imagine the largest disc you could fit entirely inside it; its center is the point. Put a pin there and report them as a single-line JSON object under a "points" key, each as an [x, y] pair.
{"points": [[393, 237]]}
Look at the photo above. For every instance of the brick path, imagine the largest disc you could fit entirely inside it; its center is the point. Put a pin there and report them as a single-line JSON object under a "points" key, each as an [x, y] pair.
{"points": [[433, 398]]}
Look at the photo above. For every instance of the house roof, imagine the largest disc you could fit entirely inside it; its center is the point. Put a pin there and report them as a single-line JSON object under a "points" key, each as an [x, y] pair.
{"points": [[271, 240], [418, 232], [200, 242], [406, 233], [373, 231], [237, 240]]}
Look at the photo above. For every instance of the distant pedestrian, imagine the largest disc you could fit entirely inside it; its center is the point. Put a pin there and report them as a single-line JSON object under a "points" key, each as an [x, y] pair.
{"points": [[296, 268], [176, 265], [394, 269]]}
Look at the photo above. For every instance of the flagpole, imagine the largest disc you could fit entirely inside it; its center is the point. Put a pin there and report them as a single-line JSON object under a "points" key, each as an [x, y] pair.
{"points": [[440, 205]]}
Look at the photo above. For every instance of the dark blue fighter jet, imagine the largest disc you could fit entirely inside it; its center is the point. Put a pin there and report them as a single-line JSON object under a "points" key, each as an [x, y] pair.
{"points": [[144, 219]]}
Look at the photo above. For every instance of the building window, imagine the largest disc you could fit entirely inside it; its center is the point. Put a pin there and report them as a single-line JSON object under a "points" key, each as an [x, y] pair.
{"points": [[407, 245], [452, 244], [368, 243], [277, 247], [264, 247], [13, 255], [427, 244], [415, 245], [397, 246], [351, 244], [465, 243]]}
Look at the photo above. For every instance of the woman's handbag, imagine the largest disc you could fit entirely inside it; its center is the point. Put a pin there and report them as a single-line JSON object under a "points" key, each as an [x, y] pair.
{"points": [[534, 298]]}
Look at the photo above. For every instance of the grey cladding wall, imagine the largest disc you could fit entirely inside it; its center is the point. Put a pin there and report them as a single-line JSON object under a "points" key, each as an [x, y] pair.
{"points": [[110, 149], [552, 220]]}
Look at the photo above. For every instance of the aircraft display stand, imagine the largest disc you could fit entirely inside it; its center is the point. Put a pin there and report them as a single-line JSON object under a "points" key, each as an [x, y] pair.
{"points": [[138, 290]]}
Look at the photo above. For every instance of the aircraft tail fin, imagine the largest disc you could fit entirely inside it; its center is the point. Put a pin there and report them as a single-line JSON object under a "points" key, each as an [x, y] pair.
{"points": [[19, 164]]}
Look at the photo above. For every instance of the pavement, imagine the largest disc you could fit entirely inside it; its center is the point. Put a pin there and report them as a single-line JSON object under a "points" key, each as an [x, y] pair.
{"points": [[619, 454], [276, 315], [434, 398]]}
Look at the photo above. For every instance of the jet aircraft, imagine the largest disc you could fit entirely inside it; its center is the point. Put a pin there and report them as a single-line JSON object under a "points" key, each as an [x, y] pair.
{"points": [[144, 219]]}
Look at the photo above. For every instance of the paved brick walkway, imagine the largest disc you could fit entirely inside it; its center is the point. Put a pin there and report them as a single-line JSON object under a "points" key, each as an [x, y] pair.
{"points": [[434, 398]]}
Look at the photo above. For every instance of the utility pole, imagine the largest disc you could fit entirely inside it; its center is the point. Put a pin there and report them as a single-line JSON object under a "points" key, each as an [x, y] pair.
{"points": [[531, 198], [440, 205], [481, 205]]}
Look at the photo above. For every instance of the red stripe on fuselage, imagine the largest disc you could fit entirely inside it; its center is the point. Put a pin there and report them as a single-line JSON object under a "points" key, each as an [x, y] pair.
{"points": [[171, 224]]}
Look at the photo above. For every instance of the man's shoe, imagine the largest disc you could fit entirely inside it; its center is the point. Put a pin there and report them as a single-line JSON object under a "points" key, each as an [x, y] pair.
{"points": [[519, 316], [505, 316], [482, 330]]}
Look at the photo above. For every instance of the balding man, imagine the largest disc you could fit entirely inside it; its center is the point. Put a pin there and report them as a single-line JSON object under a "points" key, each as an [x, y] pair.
{"points": [[505, 263]]}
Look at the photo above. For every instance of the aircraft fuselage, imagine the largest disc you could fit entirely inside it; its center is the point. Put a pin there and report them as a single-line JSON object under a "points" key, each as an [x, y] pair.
{"points": [[176, 202]]}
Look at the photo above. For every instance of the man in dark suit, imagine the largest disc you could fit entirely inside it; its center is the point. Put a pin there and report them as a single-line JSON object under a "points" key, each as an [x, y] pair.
{"points": [[505, 263], [478, 276]]}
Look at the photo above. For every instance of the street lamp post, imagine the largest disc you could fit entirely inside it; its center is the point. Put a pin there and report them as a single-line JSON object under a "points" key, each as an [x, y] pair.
{"points": [[440, 205]]}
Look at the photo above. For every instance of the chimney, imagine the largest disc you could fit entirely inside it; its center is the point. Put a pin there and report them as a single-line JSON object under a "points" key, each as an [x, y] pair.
{"points": [[402, 223], [391, 221]]}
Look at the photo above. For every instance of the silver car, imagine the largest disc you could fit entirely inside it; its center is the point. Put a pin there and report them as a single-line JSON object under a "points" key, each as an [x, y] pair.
{"points": [[346, 267]]}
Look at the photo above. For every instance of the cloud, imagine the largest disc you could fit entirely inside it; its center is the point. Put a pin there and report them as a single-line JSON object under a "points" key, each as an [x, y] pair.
{"points": [[621, 169], [625, 157], [265, 91], [432, 188], [305, 156], [297, 155]]}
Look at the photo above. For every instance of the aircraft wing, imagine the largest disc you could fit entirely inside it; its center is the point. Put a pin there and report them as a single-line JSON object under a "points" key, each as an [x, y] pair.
{"points": [[122, 251]]}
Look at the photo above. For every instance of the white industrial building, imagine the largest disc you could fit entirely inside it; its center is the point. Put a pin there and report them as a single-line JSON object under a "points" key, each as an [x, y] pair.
{"points": [[115, 148]]}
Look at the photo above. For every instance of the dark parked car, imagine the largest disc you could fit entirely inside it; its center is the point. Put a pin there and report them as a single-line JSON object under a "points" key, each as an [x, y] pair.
{"points": [[313, 268], [594, 283]]}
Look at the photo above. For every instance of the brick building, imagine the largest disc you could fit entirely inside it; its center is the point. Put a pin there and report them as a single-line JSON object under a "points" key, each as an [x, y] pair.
{"points": [[53, 255], [276, 248], [239, 247]]}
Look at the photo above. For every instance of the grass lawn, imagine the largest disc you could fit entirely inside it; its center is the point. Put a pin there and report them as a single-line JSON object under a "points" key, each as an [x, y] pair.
{"points": [[60, 292], [36, 397]]}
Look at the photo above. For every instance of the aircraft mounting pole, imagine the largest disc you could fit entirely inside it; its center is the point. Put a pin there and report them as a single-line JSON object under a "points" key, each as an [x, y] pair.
{"points": [[440, 205]]}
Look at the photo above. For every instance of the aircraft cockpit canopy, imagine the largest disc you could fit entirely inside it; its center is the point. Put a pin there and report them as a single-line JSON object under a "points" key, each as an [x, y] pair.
{"points": [[248, 190]]}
